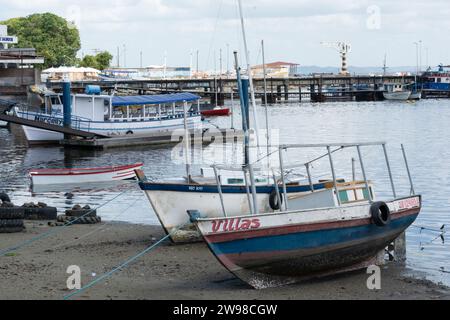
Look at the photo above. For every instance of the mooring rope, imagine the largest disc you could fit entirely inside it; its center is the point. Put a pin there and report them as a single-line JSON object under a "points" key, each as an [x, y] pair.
{"points": [[121, 266], [103, 226], [52, 232]]}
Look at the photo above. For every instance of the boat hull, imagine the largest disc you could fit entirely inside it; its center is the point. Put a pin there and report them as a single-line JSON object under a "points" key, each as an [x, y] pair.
{"points": [[80, 176], [170, 203], [111, 129], [397, 96], [273, 250], [216, 112]]}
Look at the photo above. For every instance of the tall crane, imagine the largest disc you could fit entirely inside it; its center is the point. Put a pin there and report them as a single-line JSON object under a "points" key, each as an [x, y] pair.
{"points": [[344, 49]]}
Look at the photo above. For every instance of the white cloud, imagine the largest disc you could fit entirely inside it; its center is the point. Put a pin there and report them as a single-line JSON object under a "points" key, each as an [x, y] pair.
{"points": [[292, 29]]}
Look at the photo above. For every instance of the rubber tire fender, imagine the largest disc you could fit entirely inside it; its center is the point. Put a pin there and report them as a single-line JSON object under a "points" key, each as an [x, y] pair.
{"points": [[381, 214], [273, 200]]}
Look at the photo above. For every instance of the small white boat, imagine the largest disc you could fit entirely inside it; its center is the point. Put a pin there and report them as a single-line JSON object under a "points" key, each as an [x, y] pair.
{"points": [[84, 175], [397, 92], [3, 124]]}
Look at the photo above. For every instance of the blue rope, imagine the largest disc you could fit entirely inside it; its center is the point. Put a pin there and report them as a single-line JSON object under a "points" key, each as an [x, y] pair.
{"points": [[52, 232], [120, 267]]}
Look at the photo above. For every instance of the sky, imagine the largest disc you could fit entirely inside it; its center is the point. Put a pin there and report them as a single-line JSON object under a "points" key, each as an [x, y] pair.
{"points": [[174, 30]]}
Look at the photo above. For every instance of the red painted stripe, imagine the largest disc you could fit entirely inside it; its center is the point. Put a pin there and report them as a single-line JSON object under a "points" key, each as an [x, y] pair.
{"points": [[83, 171], [283, 230]]}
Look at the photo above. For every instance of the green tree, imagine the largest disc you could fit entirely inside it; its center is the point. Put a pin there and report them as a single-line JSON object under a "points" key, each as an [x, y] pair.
{"points": [[101, 61], [54, 38]]}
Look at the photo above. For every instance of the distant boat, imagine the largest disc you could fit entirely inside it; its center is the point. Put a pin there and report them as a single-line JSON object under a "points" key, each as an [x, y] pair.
{"points": [[396, 91], [216, 112], [3, 124], [84, 175]]}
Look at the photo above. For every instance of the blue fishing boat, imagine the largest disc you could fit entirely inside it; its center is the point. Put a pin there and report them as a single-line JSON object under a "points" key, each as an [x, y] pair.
{"points": [[320, 234]]}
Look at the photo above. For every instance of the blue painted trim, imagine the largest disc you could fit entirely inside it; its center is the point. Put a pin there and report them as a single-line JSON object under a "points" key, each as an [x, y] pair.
{"points": [[309, 240], [147, 186]]}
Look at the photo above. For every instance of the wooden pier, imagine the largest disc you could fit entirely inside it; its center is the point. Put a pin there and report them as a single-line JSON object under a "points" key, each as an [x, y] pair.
{"points": [[206, 136], [298, 89]]}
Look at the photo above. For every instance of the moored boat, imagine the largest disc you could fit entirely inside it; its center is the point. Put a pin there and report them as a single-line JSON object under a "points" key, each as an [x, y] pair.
{"points": [[216, 112], [396, 92], [114, 116], [3, 124], [320, 234], [83, 175]]}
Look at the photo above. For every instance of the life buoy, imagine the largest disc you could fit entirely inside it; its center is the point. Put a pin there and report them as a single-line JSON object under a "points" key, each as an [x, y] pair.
{"points": [[381, 214], [273, 200]]}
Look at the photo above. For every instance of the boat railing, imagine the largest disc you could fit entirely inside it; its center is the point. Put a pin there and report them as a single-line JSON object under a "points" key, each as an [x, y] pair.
{"points": [[332, 148], [54, 117]]}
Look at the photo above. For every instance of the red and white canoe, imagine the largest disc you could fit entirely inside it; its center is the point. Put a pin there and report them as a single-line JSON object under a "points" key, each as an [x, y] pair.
{"points": [[84, 175]]}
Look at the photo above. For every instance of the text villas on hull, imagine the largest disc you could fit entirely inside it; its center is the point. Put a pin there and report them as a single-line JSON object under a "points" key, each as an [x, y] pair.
{"points": [[114, 116], [318, 234]]}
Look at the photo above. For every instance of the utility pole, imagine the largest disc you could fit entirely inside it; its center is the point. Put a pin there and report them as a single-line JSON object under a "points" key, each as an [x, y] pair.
{"points": [[124, 56], [198, 54], [118, 57], [228, 60]]}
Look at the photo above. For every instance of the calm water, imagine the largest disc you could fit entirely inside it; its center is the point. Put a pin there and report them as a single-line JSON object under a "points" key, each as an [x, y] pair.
{"points": [[423, 127]]}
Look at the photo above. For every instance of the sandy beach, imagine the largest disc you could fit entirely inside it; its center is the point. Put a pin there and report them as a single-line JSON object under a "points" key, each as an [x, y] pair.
{"points": [[174, 272]]}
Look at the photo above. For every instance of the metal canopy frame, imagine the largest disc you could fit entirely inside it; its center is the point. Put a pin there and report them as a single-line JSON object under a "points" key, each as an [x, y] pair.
{"points": [[283, 195]]}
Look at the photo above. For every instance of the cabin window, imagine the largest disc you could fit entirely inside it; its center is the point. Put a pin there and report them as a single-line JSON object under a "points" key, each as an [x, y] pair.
{"points": [[439, 80], [235, 181]]}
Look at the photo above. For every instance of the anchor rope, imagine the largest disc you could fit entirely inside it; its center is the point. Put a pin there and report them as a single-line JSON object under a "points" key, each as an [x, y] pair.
{"points": [[52, 232], [121, 266], [103, 226]]}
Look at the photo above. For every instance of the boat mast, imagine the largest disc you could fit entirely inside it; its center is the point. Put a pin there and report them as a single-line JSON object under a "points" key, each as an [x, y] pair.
{"points": [[249, 72], [265, 99]]}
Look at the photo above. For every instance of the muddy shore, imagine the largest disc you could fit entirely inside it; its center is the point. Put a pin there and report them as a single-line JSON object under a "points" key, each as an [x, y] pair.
{"points": [[174, 272]]}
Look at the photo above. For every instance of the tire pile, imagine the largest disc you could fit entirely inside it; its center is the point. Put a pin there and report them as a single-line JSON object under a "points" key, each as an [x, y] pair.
{"points": [[80, 215], [11, 217], [39, 211]]}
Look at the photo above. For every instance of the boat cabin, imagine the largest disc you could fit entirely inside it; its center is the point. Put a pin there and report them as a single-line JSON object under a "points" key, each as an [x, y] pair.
{"points": [[108, 108]]}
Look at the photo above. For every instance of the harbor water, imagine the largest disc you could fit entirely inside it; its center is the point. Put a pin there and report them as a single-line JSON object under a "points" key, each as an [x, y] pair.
{"points": [[423, 127]]}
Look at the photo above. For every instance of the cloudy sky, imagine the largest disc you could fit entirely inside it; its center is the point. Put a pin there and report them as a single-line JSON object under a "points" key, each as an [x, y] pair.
{"points": [[292, 29]]}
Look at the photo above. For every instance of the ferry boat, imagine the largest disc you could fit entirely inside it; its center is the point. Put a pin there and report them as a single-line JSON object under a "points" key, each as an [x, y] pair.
{"points": [[437, 80], [113, 116]]}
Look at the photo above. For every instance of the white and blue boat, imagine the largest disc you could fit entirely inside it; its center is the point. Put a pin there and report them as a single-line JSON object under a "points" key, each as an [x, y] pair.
{"points": [[113, 116], [437, 80], [326, 232]]}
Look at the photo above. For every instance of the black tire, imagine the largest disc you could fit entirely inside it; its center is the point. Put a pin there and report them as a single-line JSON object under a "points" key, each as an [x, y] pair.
{"points": [[4, 197], [381, 214], [273, 200], [76, 220], [12, 230], [80, 213], [16, 223], [47, 213], [12, 213]]}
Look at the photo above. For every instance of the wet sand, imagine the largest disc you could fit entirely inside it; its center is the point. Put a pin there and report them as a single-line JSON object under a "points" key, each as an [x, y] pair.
{"points": [[173, 272]]}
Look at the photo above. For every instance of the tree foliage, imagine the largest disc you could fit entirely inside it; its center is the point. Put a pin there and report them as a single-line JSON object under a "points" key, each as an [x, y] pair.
{"points": [[101, 61], [54, 38]]}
